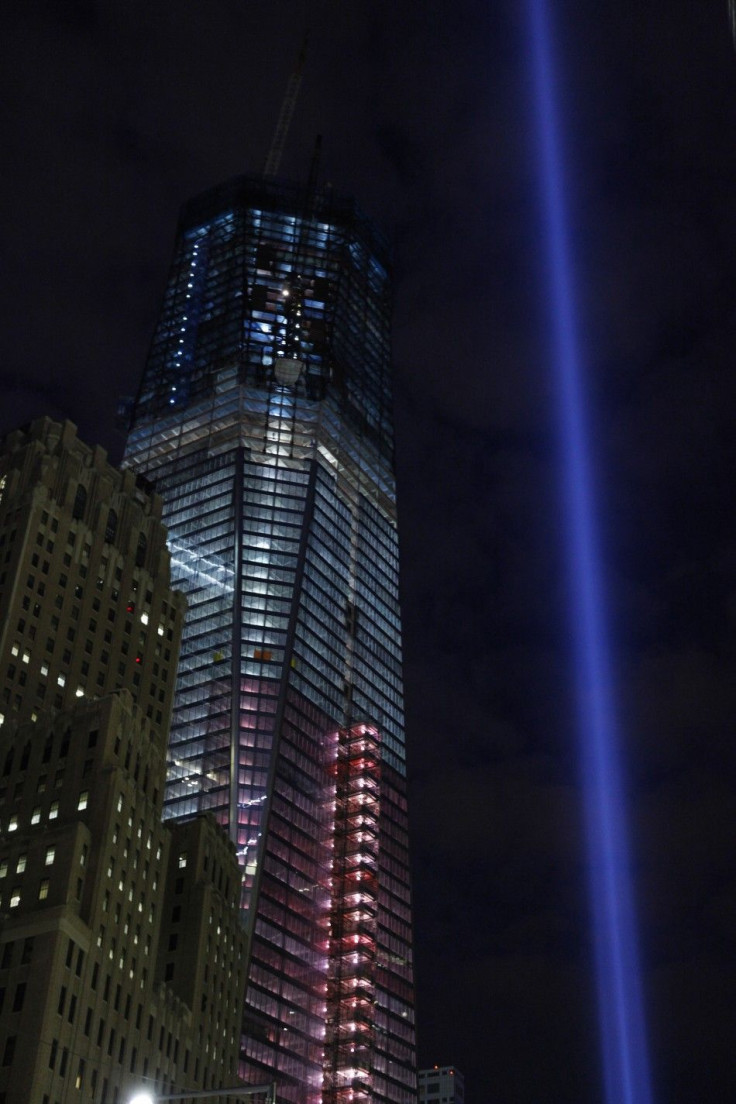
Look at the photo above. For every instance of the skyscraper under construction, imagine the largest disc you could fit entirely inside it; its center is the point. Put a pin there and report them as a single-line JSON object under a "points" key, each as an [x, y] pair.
{"points": [[264, 421]]}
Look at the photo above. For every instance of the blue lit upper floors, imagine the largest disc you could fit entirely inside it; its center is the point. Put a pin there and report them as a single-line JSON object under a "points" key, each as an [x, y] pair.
{"points": [[273, 335]]}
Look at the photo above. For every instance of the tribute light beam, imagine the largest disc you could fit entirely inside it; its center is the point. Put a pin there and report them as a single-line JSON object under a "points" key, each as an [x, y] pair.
{"points": [[621, 1018]]}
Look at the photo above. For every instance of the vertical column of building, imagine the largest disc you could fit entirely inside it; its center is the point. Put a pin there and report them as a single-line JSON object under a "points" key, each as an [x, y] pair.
{"points": [[200, 512], [377, 693], [394, 1076], [354, 917]]}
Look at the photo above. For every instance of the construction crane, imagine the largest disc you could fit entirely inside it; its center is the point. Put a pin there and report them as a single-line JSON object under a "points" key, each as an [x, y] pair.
{"points": [[273, 160]]}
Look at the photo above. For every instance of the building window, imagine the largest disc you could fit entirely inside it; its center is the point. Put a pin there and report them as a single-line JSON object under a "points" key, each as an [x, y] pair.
{"points": [[43, 889], [182, 860], [83, 800], [50, 856], [21, 864], [15, 897], [140, 552], [80, 501], [13, 824], [111, 527], [54, 810]]}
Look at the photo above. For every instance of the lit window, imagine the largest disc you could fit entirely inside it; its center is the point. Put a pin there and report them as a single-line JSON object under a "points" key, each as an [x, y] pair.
{"points": [[15, 897], [2, 718], [14, 650], [44, 669], [4, 868], [182, 860], [79, 692], [13, 824], [83, 799], [21, 864], [54, 810], [50, 856], [144, 619], [36, 815], [26, 657], [43, 889], [61, 680]]}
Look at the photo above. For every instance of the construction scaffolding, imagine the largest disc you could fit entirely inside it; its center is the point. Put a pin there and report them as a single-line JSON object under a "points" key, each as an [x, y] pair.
{"points": [[354, 918]]}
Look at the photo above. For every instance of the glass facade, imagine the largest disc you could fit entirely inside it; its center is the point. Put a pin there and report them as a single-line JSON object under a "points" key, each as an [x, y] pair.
{"points": [[264, 420]]}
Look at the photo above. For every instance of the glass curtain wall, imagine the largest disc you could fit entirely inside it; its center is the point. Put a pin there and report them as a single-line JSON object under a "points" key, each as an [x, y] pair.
{"points": [[264, 420]]}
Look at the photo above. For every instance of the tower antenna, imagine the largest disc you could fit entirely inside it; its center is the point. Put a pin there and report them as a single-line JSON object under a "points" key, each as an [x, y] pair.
{"points": [[273, 160]]}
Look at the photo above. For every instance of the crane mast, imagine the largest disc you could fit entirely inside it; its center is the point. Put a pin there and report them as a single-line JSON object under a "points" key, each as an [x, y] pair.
{"points": [[275, 153]]}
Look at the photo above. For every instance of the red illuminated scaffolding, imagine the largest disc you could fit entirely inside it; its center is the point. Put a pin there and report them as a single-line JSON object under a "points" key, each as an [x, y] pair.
{"points": [[353, 918]]}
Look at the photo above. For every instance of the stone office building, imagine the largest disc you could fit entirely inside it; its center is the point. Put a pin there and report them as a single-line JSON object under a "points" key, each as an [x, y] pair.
{"points": [[121, 947]]}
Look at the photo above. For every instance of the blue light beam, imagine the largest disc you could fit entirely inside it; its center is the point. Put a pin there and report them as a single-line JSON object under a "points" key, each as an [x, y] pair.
{"points": [[621, 1018]]}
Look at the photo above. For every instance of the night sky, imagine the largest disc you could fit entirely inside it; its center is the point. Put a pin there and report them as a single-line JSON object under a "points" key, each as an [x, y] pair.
{"points": [[113, 114]]}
